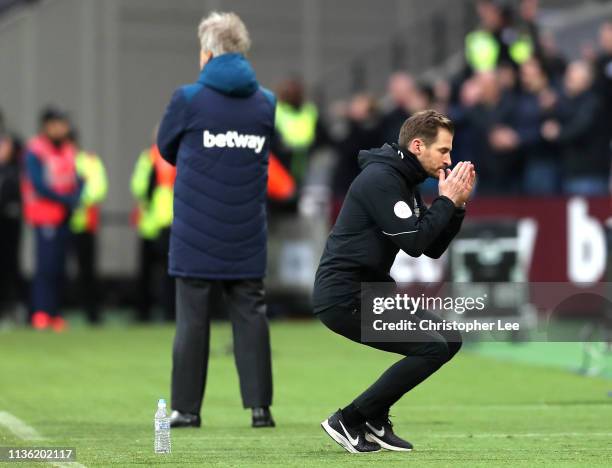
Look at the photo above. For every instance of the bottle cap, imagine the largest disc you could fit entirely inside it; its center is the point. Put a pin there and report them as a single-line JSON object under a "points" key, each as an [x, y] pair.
{"points": [[161, 402]]}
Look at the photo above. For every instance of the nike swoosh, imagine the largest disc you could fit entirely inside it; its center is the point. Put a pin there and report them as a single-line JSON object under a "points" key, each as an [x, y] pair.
{"points": [[376, 431], [351, 440], [399, 233]]}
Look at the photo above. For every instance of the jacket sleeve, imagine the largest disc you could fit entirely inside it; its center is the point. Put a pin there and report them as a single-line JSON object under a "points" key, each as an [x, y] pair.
{"points": [[580, 123], [384, 203], [172, 127], [95, 185], [440, 243], [36, 174], [141, 177]]}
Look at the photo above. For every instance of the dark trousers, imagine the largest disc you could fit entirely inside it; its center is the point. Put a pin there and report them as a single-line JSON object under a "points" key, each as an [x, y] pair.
{"points": [[50, 246], [154, 278], [83, 247], [424, 354], [11, 283], [247, 311]]}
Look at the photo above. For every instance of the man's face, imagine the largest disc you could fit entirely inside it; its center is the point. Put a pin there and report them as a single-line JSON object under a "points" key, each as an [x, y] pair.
{"points": [[293, 93], [490, 15], [401, 88], [6, 149], [489, 87], [57, 130], [436, 155], [605, 37], [532, 77], [577, 78]]}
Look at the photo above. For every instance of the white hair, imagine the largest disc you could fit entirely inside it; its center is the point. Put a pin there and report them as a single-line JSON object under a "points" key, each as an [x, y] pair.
{"points": [[222, 33]]}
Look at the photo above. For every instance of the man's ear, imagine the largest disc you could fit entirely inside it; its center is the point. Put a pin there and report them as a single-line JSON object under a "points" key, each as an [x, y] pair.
{"points": [[205, 57], [416, 146]]}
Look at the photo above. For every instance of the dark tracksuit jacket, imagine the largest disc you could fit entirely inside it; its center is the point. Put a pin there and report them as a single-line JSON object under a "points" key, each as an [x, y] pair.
{"points": [[382, 213]]}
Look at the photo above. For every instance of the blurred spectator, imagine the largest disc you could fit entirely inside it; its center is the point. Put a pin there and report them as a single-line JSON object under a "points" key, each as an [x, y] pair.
{"points": [[532, 106], [507, 77], [283, 193], [51, 190], [423, 98], [400, 95], [551, 58], [588, 52], [10, 223], [604, 64], [498, 39], [441, 96], [281, 186], [362, 131], [299, 126], [603, 83], [585, 166], [152, 186], [84, 225], [465, 144], [495, 149]]}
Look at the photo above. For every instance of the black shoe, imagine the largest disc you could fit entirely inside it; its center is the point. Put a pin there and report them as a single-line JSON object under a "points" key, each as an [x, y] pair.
{"points": [[178, 419], [352, 439], [381, 432], [261, 417]]}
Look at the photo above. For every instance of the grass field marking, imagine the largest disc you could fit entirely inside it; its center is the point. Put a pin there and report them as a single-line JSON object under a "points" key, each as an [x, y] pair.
{"points": [[67, 465], [604, 404], [467, 435], [25, 432], [18, 427], [526, 434]]}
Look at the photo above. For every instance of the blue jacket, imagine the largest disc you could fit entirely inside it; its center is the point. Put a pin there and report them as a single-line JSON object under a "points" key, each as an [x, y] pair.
{"points": [[217, 132]]}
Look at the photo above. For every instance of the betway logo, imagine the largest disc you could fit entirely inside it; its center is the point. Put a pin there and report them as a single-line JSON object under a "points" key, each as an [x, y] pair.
{"points": [[233, 139]]}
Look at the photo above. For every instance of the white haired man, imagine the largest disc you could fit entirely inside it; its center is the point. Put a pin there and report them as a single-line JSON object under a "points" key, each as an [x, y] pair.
{"points": [[217, 131]]}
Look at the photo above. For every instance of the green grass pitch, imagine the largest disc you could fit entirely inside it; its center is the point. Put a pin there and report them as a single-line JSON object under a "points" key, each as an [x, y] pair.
{"points": [[96, 390]]}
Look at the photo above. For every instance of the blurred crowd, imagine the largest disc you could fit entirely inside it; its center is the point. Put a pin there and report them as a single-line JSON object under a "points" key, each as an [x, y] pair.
{"points": [[532, 122], [57, 187]]}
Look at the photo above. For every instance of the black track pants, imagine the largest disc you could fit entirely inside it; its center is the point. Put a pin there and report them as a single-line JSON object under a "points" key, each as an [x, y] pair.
{"points": [[424, 354]]}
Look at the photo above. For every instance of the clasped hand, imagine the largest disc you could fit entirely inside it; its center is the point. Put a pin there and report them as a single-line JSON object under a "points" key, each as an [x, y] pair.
{"points": [[457, 184]]}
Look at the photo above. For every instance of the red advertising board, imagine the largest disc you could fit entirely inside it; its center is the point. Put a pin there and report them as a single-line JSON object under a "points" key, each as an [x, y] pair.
{"points": [[570, 237], [565, 239]]}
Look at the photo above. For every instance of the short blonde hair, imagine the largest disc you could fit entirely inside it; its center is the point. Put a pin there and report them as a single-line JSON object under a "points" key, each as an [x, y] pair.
{"points": [[222, 33]]}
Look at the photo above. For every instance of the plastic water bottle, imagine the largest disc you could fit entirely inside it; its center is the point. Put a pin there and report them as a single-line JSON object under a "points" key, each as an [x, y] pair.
{"points": [[162, 428]]}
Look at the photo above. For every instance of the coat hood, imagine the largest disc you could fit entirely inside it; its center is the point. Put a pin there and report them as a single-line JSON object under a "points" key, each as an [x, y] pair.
{"points": [[230, 74], [401, 160]]}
